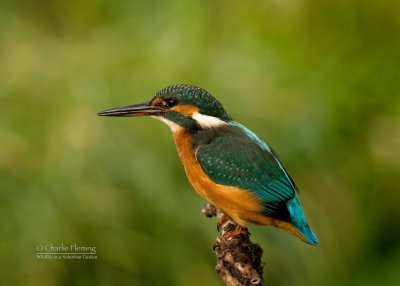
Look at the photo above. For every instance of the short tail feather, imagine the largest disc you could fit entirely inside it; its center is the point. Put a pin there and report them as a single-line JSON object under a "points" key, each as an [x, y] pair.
{"points": [[300, 222]]}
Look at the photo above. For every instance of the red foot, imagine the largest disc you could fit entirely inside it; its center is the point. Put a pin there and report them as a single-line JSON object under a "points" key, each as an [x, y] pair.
{"points": [[237, 231]]}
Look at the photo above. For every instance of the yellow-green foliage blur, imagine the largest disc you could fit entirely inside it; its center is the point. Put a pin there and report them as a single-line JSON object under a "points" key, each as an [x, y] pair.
{"points": [[319, 80]]}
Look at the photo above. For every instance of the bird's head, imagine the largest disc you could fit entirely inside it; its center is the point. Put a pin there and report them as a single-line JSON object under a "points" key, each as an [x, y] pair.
{"points": [[180, 105]]}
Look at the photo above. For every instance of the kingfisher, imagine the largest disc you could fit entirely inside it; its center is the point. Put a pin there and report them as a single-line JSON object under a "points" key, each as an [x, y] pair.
{"points": [[226, 163]]}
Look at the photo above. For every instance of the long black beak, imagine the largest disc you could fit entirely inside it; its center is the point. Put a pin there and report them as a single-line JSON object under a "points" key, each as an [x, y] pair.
{"points": [[141, 109]]}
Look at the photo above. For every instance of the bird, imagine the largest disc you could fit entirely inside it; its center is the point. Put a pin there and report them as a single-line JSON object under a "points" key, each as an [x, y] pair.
{"points": [[225, 162]]}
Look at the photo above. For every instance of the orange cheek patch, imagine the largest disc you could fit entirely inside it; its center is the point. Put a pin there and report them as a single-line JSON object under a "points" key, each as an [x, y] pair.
{"points": [[156, 101], [186, 109]]}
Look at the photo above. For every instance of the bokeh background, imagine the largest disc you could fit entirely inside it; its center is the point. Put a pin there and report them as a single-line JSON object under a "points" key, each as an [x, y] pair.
{"points": [[318, 79]]}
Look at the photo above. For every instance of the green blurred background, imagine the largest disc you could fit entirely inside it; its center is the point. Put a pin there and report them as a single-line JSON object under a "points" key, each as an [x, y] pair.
{"points": [[318, 79]]}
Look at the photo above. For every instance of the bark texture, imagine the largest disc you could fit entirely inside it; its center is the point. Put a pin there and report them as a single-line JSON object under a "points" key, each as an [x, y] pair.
{"points": [[238, 259]]}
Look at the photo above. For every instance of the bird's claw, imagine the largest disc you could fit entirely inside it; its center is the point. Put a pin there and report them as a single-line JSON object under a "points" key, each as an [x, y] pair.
{"points": [[238, 230], [229, 228]]}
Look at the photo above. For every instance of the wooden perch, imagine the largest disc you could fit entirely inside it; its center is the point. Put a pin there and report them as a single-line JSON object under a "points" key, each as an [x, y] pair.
{"points": [[238, 259]]}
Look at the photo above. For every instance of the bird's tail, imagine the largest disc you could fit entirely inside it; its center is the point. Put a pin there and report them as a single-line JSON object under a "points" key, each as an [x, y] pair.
{"points": [[300, 222]]}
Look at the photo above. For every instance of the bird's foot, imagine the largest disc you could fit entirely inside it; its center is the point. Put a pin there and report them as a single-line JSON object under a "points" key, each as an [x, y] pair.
{"points": [[228, 228], [236, 231]]}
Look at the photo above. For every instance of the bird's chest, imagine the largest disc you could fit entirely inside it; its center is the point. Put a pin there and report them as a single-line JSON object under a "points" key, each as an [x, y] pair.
{"points": [[195, 174]]}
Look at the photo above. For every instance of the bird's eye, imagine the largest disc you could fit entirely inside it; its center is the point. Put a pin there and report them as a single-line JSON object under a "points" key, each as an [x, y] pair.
{"points": [[172, 101]]}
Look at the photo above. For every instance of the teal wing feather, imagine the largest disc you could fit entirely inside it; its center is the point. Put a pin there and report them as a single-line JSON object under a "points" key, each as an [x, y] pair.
{"points": [[234, 156]]}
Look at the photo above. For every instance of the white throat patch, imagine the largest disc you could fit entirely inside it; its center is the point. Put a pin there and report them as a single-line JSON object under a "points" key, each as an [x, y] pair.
{"points": [[207, 121], [172, 125]]}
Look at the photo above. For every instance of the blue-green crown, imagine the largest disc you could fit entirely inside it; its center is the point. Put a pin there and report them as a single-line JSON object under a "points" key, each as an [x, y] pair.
{"points": [[193, 95]]}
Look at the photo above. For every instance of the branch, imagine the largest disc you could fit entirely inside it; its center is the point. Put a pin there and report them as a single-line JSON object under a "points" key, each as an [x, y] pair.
{"points": [[238, 259]]}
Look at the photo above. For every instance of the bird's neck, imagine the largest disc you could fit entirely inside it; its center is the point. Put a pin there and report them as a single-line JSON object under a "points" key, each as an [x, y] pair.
{"points": [[183, 140]]}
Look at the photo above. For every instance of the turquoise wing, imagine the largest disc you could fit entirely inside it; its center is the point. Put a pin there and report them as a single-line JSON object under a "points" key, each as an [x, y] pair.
{"points": [[229, 156], [234, 156]]}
